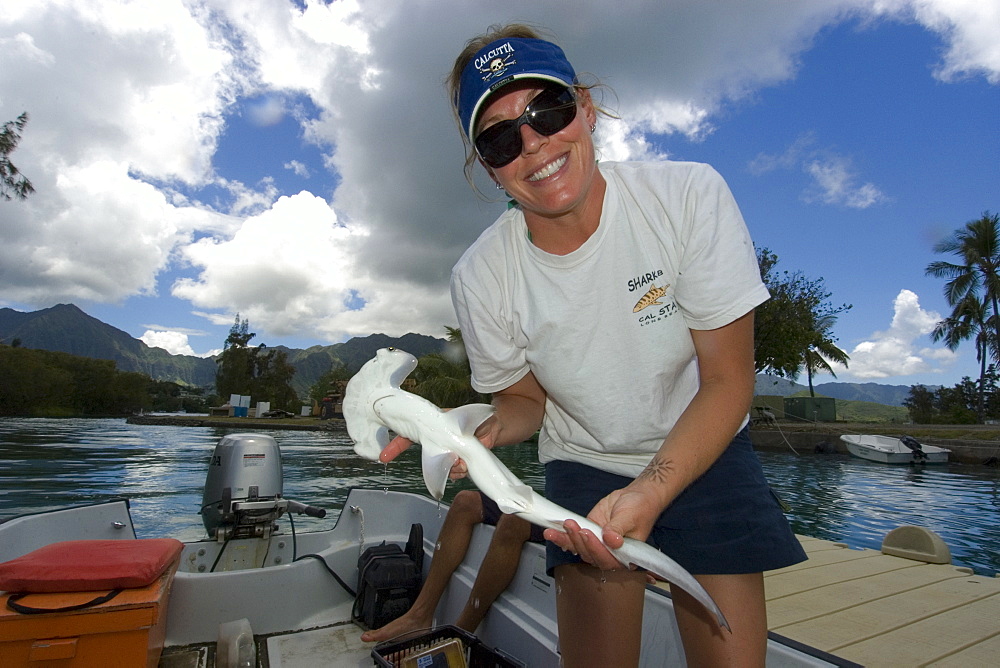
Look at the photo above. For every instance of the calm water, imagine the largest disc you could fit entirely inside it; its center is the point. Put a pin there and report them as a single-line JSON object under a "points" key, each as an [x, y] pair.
{"points": [[47, 464]]}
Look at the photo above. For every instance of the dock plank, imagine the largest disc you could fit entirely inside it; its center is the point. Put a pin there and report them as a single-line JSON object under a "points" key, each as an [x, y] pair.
{"points": [[881, 610]]}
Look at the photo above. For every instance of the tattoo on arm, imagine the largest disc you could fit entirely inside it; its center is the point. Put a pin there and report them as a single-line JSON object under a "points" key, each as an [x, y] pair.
{"points": [[658, 470]]}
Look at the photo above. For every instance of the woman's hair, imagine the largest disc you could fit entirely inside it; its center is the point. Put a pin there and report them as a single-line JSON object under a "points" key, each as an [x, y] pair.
{"points": [[493, 33]]}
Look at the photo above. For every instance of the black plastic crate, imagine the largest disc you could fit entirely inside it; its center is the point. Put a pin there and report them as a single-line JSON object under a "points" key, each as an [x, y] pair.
{"points": [[389, 653]]}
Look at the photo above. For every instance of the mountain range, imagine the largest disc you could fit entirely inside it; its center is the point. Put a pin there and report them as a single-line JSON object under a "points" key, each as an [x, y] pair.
{"points": [[66, 328]]}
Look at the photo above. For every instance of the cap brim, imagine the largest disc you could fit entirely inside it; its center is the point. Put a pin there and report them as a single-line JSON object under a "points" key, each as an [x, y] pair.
{"points": [[481, 102]]}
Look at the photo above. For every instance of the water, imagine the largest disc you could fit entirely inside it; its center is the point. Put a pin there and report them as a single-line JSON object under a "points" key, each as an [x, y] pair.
{"points": [[52, 463], [46, 464]]}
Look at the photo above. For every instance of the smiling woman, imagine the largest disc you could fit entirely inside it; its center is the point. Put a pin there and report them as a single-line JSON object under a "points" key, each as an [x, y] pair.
{"points": [[612, 308]]}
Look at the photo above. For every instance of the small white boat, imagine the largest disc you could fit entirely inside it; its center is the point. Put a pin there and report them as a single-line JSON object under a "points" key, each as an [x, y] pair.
{"points": [[889, 450], [298, 609]]}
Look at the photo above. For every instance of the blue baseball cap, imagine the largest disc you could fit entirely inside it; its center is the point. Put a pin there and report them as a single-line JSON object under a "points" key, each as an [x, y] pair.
{"points": [[506, 61]]}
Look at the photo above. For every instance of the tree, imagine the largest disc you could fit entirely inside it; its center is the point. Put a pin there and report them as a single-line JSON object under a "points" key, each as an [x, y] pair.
{"points": [[12, 182], [823, 350], [236, 363], [920, 404], [972, 289], [446, 379], [265, 375], [327, 383], [968, 320], [792, 328]]}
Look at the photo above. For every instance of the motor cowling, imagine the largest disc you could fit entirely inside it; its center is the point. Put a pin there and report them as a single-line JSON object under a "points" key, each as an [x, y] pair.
{"points": [[243, 487]]}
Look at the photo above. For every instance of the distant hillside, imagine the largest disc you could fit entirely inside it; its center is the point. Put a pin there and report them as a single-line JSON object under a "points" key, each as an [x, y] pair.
{"points": [[888, 395], [65, 328]]}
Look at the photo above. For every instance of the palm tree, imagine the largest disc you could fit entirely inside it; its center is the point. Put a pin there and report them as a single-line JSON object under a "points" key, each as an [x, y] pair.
{"points": [[972, 288], [969, 320], [822, 351]]}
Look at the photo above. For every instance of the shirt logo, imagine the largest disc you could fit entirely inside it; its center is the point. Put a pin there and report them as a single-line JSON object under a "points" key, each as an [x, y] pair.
{"points": [[651, 298]]}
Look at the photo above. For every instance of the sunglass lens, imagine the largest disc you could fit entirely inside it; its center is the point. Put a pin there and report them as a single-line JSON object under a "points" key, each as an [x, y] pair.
{"points": [[551, 111]]}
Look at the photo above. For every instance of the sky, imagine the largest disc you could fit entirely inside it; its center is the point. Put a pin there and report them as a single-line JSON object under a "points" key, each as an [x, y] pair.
{"points": [[295, 161]]}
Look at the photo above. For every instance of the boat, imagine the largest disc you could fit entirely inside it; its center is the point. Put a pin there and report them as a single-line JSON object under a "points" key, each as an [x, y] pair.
{"points": [[890, 450], [284, 598]]}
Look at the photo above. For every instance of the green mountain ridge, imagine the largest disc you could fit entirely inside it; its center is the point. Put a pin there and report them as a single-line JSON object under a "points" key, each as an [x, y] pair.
{"points": [[66, 328]]}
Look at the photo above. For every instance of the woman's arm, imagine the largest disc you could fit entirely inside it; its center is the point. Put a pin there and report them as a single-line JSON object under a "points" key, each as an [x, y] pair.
{"points": [[701, 434]]}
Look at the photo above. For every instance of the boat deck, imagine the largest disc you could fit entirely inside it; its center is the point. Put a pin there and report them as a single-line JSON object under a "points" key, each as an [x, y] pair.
{"points": [[880, 610]]}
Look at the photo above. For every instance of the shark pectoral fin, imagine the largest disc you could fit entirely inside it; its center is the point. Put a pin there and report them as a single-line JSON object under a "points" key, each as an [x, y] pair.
{"points": [[470, 416], [517, 499], [436, 465]]}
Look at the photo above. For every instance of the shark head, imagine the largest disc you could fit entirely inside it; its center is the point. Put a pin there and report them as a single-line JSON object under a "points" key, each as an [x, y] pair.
{"points": [[379, 377]]}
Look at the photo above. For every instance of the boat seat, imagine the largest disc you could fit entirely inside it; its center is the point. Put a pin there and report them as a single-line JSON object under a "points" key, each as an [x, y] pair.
{"points": [[89, 565]]}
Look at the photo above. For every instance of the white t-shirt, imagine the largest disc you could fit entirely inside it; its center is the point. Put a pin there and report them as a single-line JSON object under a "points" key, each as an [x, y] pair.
{"points": [[605, 329]]}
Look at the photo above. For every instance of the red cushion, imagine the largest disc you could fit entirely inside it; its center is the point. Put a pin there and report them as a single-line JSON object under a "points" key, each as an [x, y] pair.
{"points": [[87, 565]]}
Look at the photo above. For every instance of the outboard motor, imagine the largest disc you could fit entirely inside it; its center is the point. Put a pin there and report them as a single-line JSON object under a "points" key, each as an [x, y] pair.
{"points": [[242, 497], [913, 444]]}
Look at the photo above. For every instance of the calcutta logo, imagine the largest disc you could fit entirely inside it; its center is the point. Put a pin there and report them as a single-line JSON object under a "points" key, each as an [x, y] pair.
{"points": [[496, 62], [650, 298]]}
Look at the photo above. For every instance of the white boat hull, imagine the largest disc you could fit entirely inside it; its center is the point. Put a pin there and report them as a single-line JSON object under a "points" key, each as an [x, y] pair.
{"points": [[889, 450]]}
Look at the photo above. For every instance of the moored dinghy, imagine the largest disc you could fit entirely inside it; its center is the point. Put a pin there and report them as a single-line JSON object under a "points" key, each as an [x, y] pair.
{"points": [[890, 450]]}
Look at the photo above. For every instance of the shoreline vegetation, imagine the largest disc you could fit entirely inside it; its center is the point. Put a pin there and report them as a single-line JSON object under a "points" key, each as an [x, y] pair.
{"points": [[971, 444]]}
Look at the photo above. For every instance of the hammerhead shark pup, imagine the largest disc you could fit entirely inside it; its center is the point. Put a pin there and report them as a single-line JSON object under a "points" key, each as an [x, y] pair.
{"points": [[374, 404]]}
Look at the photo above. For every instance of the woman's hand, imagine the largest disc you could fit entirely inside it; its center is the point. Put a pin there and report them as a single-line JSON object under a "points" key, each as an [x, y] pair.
{"points": [[631, 512]]}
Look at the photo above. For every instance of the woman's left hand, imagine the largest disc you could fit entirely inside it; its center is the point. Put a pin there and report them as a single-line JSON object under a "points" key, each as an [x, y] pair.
{"points": [[625, 512]]}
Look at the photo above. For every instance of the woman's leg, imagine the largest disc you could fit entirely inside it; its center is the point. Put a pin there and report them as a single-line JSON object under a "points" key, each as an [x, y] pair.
{"points": [[741, 598], [600, 615]]}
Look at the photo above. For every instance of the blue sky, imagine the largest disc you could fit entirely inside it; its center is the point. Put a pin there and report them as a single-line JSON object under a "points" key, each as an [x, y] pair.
{"points": [[296, 162]]}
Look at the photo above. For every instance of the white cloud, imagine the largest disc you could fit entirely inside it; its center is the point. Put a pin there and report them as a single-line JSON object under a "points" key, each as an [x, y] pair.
{"points": [[834, 180], [175, 343], [298, 168], [969, 28], [128, 102], [291, 270], [898, 351]]}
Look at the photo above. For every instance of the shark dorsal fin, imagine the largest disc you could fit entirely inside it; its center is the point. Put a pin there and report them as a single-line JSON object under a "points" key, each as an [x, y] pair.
{"points": [[470, 416]]}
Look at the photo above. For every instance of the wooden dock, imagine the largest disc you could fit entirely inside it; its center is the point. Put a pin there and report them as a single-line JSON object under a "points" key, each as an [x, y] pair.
{"points": [[881, 610]]}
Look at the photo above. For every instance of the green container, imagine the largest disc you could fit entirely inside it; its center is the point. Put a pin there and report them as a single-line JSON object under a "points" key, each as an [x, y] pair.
{"points": [[811, 409]]}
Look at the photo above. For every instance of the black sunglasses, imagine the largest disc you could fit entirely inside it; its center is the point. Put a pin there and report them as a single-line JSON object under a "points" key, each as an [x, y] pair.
{"points": [[551, 111]]}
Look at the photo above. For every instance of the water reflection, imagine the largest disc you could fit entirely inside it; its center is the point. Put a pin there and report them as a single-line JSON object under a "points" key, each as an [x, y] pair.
{"points": [[46, 464], [849, 500]]}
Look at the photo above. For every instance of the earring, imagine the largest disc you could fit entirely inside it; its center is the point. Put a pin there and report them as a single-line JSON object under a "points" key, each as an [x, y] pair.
{"points": [[499, 187], [593, 128]]}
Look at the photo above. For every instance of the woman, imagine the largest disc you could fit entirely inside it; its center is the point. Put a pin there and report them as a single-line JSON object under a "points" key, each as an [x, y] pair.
{"points": [[612, 307]]}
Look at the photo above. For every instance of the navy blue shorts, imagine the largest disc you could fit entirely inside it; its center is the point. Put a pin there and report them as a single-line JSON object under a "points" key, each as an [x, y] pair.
{"points": [[727, 521], [491, 515]]}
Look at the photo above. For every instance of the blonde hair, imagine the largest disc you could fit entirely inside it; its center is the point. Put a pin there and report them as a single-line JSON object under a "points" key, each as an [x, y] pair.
{"points": [[493, 33]]}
